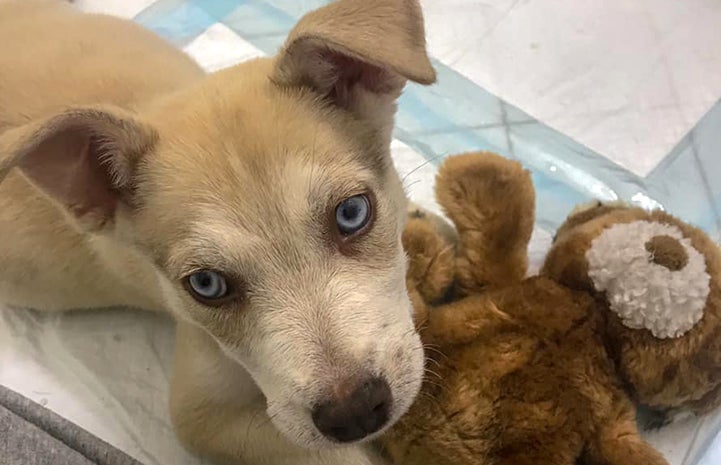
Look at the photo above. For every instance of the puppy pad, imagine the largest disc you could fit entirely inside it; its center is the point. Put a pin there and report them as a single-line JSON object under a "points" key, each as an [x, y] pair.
{"points": [[604, 99]]}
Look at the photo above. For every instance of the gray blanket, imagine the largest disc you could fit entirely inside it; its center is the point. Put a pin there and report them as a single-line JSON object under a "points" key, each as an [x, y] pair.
{"points": [[33, 435]]}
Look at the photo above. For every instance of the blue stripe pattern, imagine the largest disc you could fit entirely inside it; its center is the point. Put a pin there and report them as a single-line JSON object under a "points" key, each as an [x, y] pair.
{"points": [[456, 115]]}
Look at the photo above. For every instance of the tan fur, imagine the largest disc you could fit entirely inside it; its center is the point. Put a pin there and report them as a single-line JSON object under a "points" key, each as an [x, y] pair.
{"points": [[125, 168], [517, 369]]}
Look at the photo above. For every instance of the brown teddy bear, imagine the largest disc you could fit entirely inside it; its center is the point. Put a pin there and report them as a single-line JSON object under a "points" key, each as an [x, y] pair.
{"points": [[545, 370], [659, 281]]}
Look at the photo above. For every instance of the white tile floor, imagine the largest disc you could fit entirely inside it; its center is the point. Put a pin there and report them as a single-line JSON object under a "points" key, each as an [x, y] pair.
{"points": [[628, 79]]}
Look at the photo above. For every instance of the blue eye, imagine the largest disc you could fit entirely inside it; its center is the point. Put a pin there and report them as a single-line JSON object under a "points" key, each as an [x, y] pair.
{"points": [[353, 214], [207, 285]]}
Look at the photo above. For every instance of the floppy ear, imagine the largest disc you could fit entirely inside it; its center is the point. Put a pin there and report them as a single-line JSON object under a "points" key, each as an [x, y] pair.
{"points": [[353, 49], [84, 159]]}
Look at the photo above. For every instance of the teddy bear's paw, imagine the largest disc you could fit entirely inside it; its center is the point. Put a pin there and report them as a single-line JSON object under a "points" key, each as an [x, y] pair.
{"points": [[440, 224], [430, 259], [651, 419], [483, 191]]}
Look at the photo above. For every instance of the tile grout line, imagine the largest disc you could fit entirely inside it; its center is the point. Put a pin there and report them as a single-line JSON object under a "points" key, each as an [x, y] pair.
{"points": [[715, 211], [506, 128]]}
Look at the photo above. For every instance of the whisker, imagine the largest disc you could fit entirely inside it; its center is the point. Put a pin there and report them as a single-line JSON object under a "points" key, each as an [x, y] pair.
{"points": [[428, 370], [408, 187], [435, 350], [436, 362], [268, 420], [429, 160]]}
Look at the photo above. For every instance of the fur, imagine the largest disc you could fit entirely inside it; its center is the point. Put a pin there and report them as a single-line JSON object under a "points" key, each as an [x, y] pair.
{"points": [[124, 168], [543, 370]]}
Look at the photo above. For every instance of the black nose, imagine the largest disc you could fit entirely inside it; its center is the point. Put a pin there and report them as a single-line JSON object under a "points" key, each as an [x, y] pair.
{"points": [[357, 415]]}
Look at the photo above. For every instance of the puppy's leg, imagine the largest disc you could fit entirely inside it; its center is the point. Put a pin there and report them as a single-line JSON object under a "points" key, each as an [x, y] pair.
{"points": [[491, 201], [218, 411], [47, 265]]}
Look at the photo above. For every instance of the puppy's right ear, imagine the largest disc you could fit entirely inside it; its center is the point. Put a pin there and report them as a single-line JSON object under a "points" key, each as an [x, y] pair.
{"points": [[83, 159]]}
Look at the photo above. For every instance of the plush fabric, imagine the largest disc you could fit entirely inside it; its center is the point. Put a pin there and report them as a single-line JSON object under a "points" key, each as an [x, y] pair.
{"points": [[652, 276], [543, 370]]}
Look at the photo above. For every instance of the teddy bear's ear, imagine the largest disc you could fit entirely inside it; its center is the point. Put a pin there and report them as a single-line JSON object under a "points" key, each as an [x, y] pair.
{"points": [[566, 263], [652, 276]]}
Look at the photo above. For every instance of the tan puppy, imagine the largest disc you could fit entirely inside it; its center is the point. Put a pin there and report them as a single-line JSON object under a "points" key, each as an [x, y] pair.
{"points": [[257, 205]]}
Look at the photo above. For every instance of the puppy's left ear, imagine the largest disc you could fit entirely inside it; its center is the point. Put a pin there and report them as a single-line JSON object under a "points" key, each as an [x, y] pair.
{"points": [[358, 54]]}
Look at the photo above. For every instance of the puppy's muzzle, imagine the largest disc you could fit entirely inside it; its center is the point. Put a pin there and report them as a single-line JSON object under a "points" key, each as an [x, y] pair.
{"points": [[352, 417]]}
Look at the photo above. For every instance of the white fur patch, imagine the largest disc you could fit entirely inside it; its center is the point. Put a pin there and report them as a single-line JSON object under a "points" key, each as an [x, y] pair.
{"points": [[645, 294]]}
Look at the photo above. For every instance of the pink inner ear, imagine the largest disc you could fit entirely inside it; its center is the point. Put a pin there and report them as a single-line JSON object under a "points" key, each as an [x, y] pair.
{"points": [[68, 167], [351, 72]]}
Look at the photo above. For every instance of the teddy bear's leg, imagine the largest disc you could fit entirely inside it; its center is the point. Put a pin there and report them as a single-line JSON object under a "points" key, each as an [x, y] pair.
{"points": [[544, 449], [430, 266], [491, 201], [440, 224], [430, 260], [619, 443], [651, 419]]}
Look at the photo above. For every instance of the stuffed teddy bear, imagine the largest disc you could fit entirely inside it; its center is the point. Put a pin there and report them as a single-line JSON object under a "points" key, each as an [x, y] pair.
{"points": [[549, 369]]}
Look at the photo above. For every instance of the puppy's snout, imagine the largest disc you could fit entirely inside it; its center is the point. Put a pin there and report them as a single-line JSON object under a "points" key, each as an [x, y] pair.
{"points": [[353, 417]]}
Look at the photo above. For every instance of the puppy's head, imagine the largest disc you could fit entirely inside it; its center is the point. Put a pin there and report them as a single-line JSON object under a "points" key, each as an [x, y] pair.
{"points": [[265, 198]]}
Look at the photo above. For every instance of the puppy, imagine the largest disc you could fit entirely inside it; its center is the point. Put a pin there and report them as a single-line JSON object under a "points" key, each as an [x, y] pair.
{"points": [[258, 206]]}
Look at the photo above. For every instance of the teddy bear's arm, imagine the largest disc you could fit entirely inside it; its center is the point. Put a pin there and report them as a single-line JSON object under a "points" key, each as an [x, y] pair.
{"points": [[463, 321], [491, 201]]}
